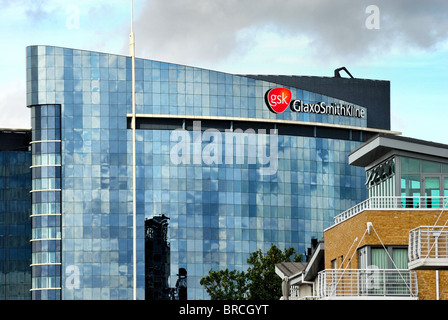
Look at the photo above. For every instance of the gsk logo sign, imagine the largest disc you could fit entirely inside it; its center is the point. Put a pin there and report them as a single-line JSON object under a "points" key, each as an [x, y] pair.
{"points": [[278, 99]]}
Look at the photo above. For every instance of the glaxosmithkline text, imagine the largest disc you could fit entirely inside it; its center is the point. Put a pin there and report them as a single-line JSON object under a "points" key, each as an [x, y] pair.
{"points": [[323, 108]]}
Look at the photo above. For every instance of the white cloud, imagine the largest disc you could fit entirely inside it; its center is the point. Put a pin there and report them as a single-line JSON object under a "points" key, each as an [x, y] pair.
{"points": [[240, 36], [13, 110], [203, 31]]}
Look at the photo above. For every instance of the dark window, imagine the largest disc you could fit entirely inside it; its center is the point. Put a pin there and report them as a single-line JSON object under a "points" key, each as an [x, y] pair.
{"points": [[223, 125]]}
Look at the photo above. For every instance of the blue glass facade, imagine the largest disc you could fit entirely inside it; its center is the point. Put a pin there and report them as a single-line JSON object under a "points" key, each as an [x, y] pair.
{"points": [[219, 205], [15, 221]]}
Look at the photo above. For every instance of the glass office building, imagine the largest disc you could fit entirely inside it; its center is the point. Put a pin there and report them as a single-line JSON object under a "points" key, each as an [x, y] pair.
{"points": [[15, 212], [218, 174]]}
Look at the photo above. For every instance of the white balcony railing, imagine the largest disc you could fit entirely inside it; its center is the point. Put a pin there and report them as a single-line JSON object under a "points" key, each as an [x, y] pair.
{"points": [[428, 247], [367, 284], [392, 202]]}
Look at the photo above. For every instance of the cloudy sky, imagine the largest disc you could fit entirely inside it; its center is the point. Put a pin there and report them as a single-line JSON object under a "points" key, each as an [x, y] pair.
{"points": [[403, 41]]}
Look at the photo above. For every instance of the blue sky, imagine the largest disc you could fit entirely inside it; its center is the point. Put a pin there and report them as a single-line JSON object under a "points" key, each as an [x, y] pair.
{"points": [[408, 46]]}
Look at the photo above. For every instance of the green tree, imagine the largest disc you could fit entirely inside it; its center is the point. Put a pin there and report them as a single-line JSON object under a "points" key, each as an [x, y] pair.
{"points": [[259, 282], [264, 284], [225, 284]]}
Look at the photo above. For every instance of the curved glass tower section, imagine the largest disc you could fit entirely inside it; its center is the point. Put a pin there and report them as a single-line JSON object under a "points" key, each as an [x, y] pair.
{"points": [[46, 202], [218, 174]]}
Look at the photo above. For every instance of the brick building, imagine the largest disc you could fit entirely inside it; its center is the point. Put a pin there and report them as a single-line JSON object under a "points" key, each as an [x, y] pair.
{"points": [[394, 245], [357, 243]]}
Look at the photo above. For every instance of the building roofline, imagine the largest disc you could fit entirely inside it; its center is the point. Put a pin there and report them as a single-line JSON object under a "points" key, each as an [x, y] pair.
{"points": [[15, 130], [382, 144], [313, 267], [278, 78], [302, 271]]}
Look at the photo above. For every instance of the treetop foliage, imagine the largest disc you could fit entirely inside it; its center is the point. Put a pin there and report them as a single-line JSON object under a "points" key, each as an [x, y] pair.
{"points": [[259, 282]]}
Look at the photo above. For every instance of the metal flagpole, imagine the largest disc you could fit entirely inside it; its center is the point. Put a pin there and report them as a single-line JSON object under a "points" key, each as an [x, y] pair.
{"points": [[134, 184]]}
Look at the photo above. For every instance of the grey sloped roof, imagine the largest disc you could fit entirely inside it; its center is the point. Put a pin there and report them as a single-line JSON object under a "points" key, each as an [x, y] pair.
{"points": [[305, 270], [291, 268], [383, 144]]}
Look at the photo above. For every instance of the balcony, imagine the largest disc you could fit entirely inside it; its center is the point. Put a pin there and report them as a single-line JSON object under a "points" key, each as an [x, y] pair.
{"points": [[394, 203], [367, 284], [428, 248]]}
